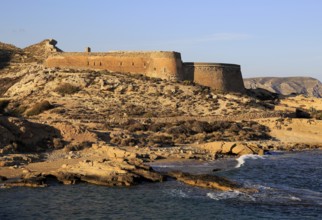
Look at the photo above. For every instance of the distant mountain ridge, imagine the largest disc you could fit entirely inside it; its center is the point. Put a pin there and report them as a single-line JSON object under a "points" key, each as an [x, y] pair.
{"points": [[287, 85]]}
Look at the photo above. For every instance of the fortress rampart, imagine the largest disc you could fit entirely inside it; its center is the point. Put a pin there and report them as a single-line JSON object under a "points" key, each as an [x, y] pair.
{"points": [[164, 65], [160, 64]]}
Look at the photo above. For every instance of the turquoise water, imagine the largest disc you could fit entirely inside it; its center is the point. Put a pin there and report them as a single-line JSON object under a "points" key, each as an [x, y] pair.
{"points": [[290, 187]]}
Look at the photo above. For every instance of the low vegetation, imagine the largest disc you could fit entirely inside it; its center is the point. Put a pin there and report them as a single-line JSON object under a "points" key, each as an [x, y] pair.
{"points": [[185, 132], [310, 113], [67, 89], [3, 104], [39, 108]]}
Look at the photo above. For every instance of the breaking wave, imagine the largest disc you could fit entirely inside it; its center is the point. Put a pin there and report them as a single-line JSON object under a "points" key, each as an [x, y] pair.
{"points": [[178, 193], [230, 195], [242, 159]]}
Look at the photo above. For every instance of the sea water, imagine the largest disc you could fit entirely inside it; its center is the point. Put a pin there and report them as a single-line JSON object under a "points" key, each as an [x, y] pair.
{"points": [[289, 185]]}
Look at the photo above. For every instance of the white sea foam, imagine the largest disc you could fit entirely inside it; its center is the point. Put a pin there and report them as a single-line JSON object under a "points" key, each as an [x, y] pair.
{"points": [[223, 195], [178, 193], [242, 159], [230, 195], [294, 198], [164, 165]]}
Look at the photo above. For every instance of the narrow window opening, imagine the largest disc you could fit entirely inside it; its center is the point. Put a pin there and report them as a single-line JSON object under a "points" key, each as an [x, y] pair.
{"points": [[121, 63], [155, 69], [132, 63], [94, 63], [87, 63], [100, 63]]}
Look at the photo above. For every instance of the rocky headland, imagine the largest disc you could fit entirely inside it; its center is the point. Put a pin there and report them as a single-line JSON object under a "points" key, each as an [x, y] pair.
{"points": [[106, 128]]}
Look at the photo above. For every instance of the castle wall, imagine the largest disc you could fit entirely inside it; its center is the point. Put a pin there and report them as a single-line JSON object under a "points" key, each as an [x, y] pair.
{"points": [[218, 76], [164, 65]]}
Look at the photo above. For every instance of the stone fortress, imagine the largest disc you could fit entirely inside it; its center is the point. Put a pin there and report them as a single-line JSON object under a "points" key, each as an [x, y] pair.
{"points": [[160, 64]]}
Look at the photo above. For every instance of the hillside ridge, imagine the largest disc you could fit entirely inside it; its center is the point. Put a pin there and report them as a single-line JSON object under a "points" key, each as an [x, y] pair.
{"points": [[307, 86]]}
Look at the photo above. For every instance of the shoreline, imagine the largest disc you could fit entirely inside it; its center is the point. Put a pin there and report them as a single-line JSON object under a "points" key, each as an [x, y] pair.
{"points": [[70, 170], [105, 128]]}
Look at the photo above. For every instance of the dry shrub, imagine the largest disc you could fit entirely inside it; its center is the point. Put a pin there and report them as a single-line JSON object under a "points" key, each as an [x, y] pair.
{"points": [[135, 110], [67, 89], [17, 111], [160, 139], [3, 105], [136, 127], [39, 108], [156, 127]]}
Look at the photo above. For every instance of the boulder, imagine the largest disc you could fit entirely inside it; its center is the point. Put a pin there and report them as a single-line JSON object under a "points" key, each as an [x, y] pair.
{"points": [[227, 147], [241, 149]]}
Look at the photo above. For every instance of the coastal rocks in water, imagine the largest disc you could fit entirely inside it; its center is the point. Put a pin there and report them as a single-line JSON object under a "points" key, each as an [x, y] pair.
{"points": [[114, 167], [209, 181], [233, 148], [107, 172], [27, 180], [241, 149]]}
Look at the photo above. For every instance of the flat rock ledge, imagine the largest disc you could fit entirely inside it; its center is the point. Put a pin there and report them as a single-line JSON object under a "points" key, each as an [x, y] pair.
{"points": [[209, 182], [104, 172]]}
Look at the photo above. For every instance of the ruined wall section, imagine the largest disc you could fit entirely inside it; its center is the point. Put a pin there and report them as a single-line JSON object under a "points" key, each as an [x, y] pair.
{"points": [[164, 65], [218, 76]]}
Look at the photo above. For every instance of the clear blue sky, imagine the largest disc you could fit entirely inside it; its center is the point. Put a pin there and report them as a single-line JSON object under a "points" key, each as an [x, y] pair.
{"points": [[266, 37]]}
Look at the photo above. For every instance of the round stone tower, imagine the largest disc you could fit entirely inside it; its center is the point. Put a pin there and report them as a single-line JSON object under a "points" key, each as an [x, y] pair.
{"points": [[218, 76]]}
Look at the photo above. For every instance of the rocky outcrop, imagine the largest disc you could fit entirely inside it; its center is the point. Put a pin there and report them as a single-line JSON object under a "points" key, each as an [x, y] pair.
{"points": [[40, 51], [107, 172], [9, 53], [34, 181], [287, 85], [35, 53], [20, 135], [107, 166], [209, 182], [232, 148]]}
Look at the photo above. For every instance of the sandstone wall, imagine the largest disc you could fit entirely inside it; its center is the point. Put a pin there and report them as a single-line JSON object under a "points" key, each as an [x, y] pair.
{"points": [[218, 76], [164, 65]]}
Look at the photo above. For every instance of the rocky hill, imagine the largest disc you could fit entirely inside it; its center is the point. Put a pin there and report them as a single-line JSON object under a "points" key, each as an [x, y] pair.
{"points": [[34, 53], [287, 85], [8, 52], [104, 127], [8, 47], [40, 51]]}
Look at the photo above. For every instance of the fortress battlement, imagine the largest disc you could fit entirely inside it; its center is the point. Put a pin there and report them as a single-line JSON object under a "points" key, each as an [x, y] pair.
{"points": [[123, 53], [211, 64], [160, 64]]}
